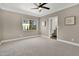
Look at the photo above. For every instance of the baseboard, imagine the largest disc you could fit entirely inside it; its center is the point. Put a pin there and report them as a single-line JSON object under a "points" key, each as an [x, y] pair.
{"points": [[44, 36], [9, 40], [68, 42]]}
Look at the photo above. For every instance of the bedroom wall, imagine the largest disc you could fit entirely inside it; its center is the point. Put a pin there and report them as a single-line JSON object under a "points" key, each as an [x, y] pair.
{"points": [[0, 27], [50, 25], [44, 29], [65, 32], [12, 27]]}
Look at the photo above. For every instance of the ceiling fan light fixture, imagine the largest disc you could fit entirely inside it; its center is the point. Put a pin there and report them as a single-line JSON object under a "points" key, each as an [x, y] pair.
{"points": [[40, 8]]}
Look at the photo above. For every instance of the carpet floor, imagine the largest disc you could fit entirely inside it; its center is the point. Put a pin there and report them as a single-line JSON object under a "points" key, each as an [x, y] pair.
{"points": [[38, 46]]}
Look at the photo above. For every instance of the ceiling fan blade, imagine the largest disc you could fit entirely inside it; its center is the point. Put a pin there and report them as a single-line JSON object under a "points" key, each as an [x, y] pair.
{"points": [[45, 7], [35, 4], [40, 5], [34, 8]]}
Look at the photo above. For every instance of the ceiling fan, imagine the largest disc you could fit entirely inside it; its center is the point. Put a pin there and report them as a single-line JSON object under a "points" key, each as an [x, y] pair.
{"points": [[41, 6]]}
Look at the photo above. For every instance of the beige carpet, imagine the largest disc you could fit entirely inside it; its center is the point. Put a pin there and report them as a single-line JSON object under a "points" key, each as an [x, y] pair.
{"points": [[38, 47]]}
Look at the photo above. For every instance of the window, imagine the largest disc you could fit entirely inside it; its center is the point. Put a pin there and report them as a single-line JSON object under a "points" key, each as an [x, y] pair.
{"points": [[29, 25]]}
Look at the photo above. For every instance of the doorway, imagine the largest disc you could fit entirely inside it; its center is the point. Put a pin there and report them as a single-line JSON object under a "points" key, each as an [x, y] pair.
{"points": [[53, 27]]}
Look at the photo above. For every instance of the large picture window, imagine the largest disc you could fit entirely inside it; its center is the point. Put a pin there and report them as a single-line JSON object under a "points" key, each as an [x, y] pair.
{"points": [[29, 25]]}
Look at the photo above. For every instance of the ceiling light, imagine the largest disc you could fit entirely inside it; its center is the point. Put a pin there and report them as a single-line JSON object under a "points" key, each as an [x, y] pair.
{"points": [[40, 9]]}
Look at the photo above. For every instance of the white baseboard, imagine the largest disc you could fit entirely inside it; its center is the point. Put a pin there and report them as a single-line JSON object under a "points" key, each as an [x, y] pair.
{"points": [[45, 36], [9, 40], [68, 42]]}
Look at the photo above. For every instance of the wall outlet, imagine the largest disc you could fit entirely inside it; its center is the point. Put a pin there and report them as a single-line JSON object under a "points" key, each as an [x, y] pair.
{"points": [[72, 39]]}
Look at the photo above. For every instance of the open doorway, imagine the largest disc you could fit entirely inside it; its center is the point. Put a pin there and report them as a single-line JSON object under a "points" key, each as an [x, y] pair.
{"points": [[53, 27]]}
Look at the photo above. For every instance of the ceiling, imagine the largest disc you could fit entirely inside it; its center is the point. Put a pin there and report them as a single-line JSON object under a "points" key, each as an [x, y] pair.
{"points": [[25, 8]]}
